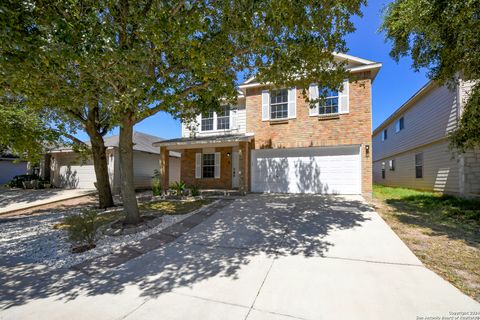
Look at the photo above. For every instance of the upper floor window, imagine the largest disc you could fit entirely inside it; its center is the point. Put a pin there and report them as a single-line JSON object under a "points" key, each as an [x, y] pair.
{"points": [[330, 105], [223, 118], [211, 121], [279, 104], [384, 135], [207, 121], [399, 125]]}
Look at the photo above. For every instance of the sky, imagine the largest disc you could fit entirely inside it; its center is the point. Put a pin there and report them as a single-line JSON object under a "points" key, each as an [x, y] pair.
{"points": [[394, 84]]}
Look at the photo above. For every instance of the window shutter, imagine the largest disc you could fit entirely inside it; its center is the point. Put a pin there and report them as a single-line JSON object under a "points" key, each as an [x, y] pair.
{"points": [[233, 119], [198, 165], [198, 125], [292, 103], [313, 94], [217, 165], [265, 105], [343, 98]]}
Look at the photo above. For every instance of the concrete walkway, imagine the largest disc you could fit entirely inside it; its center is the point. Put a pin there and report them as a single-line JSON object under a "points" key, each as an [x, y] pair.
{"points": [[261, 257], [19, 199]]}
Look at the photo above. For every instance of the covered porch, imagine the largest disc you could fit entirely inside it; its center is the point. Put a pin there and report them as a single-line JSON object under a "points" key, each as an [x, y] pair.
{"points": [[210, 162]]}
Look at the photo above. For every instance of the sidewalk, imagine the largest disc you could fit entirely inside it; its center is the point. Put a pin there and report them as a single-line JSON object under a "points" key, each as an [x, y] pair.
{"points": [[19, 199]]}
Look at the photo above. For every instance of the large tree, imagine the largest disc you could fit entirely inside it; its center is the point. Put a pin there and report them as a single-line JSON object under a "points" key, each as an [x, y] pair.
{"points": [[44, 62], [442, 36], [181, 57]]}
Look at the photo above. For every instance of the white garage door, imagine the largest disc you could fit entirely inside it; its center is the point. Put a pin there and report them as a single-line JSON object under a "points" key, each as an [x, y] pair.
{"points": [[77, 176], [329, 170]]}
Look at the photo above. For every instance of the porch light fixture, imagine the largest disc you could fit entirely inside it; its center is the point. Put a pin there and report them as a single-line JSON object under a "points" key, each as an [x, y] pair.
{"points": [[367, 149], [228, 154]]}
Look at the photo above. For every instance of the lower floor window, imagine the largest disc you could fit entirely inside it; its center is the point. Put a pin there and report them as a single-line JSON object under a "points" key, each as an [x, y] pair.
{"points": [[383, 170], [419, 165], [208, 165]]}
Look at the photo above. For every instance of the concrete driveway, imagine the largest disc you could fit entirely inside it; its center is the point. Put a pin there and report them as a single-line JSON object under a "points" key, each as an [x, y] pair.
{"points": [[261, 257], [19, 199]]}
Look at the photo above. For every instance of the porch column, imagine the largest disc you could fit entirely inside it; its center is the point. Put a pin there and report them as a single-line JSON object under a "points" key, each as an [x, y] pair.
{"points": [[243, 167], [164, 163]]}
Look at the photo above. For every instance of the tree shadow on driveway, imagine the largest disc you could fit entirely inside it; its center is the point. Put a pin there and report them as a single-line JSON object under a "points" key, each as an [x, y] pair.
{"points": [[233, 238]]}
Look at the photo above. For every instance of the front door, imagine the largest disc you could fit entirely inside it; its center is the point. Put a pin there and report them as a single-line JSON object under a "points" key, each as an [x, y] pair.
{"points": [[235, 169]]}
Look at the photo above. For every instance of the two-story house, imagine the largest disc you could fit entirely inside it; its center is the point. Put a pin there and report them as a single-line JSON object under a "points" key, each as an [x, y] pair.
{"points": [[411, 147], [273, 141]]}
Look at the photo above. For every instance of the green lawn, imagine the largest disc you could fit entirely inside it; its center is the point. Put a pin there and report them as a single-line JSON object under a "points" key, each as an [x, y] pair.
{"points": [[443, 231]]}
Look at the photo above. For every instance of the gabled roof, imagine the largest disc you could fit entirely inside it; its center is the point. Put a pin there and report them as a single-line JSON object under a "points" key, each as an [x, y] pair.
{"points": [[356, 65], [404, 107], [141, 142]]}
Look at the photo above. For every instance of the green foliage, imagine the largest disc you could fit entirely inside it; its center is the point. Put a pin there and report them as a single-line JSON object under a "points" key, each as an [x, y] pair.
{"points": [[82, 228], [467, 136], [441, 36], [178, 187], [23, 132], [156, 183], [194, 190]]}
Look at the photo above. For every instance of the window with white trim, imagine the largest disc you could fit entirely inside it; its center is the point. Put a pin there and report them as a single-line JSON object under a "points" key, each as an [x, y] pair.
{"points": [[391, 165], [419, 165], [223, 118], [400, 125], [208, 165], [207, 121], [330, 104], [384, 135], [279, 104]]}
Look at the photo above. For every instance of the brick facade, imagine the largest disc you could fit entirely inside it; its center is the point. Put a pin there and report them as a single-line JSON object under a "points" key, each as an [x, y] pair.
{"points": [[354, 128], [187, 173]]}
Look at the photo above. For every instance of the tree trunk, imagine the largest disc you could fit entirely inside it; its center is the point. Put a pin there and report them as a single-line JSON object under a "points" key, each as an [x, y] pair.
{"points": [[100, 165], [126, 170]]}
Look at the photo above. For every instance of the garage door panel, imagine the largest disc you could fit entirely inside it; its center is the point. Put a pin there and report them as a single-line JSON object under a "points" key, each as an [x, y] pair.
{"points": [[307, 170], [77, 176]]}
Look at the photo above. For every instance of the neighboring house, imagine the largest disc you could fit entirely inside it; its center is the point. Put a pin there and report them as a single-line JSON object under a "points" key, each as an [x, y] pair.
{"points": [[272, 141], [411, 147], [69, 170], [11, 166]]}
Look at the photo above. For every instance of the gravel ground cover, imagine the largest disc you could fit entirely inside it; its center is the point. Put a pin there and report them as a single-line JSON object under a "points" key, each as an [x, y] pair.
{"points": [[34, 238]]}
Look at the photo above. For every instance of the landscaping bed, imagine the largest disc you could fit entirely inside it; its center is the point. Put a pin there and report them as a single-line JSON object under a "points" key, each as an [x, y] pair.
{"points": [[43, 239], [443, 232]]}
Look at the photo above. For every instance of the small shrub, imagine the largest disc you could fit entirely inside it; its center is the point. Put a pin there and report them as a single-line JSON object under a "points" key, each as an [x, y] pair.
{"points": [[82, 228], [156, 183], [194, 190], [178, 187]]}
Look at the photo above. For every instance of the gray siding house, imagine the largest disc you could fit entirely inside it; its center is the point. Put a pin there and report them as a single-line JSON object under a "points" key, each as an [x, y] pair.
{"points": [[411, 148], [68, 170]]}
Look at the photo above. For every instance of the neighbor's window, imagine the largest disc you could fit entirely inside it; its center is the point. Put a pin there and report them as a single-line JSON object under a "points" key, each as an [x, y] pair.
{"points": [[279, 104], [419, 165], [391, 165], [399, 125], [383, 170], [384, 135], [207, 121], [330, 104], [208, 165], [223, 118]]}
